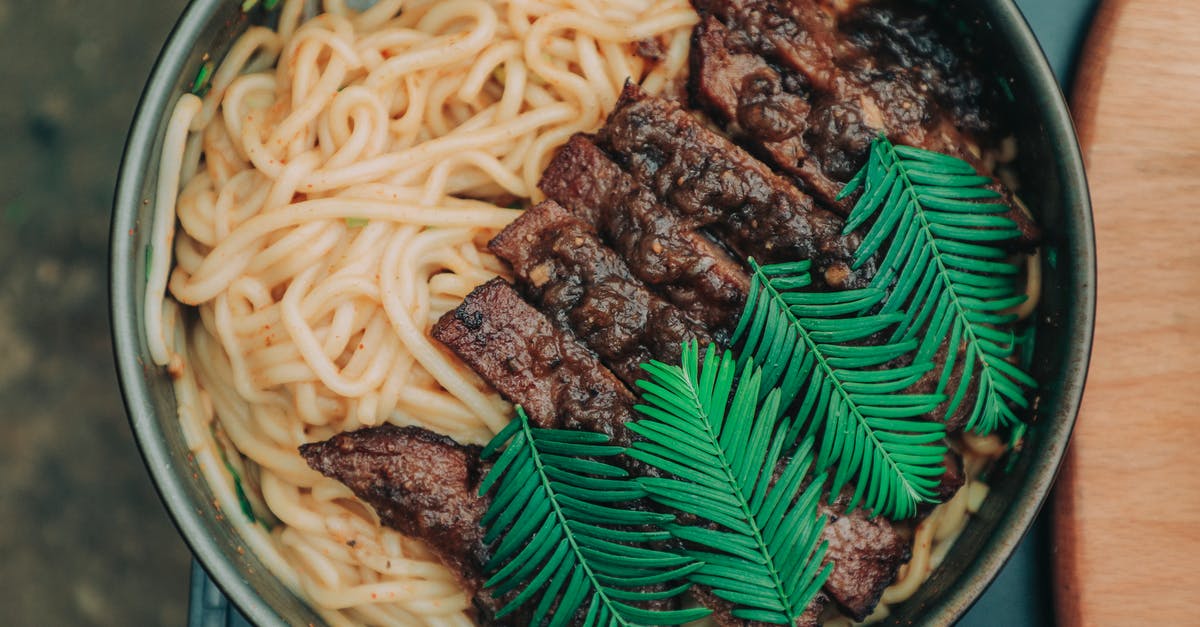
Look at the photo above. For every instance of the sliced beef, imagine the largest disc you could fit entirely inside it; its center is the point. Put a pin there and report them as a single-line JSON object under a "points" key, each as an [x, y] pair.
{"points": [[718, 185], [904, 38], [884, 69], [661, 248], [423, 485], [866, 553], [426, 486], [764, 109], [584, 286], [801, 33], [520, 353]]}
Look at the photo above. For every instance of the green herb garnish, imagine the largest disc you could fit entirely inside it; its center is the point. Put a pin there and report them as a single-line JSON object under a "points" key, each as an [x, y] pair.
{"points": [[356, 223], [557, 513], [947, 276], [269, 5], [870, 430], [748, 456], [762, 553], [201, 85]]}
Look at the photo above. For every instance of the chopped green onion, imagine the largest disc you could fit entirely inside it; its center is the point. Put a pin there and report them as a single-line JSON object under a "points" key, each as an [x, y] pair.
{"points": [[247, 5], [270, 5], [149, 256], [355, 223], [243, 500], [200, 85]]}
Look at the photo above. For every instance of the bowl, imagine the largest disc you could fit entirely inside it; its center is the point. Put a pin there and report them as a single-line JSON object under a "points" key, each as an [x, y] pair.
{"points": [[1053, 185]]}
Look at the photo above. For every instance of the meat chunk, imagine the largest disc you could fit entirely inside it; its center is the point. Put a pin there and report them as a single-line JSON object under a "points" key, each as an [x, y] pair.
{"points": [[718, 185], [659, 246], [885, 73], [903, 38], [866, 553], [802, 33], [518, 351], [584, 286], [422, 484], [759, 107]]}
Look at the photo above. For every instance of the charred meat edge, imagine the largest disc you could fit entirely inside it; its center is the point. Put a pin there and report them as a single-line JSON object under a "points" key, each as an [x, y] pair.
{"points": [[661, 248], [715, 184], [854, 91], [583, 286]]}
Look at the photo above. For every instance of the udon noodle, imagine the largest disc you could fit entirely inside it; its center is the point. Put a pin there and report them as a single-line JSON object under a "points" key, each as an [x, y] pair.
{"points": [[334, 191]]}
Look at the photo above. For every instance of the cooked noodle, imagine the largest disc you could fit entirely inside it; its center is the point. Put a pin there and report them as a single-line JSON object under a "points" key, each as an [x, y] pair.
{"points": [[334, 191], [339, 181]]}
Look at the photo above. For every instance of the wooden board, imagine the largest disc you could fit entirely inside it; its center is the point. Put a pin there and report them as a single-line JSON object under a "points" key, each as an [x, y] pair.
{"points": [[1127, 508]]}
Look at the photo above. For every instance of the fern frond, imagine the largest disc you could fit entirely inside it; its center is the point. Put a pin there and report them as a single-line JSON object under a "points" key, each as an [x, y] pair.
{"points": [[945, 272], [764, 555], [559, 533], [869, 429]]}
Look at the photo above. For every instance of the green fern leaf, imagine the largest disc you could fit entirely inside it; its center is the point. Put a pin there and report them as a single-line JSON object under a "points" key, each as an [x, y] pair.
{"points": [[560, 532], [764, 555], [946, 275], [869, 429]]}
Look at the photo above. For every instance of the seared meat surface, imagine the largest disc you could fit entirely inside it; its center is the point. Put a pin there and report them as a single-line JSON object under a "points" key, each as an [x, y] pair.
{"points": [[761, 107], [866, 553], [584, 286], [660, 246], [423, 485], [718, 185], [520, 353], [883, 68]]}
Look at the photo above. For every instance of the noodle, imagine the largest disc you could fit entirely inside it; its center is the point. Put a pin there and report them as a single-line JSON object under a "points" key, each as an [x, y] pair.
{"points": [[334, 192], [323, 189]]}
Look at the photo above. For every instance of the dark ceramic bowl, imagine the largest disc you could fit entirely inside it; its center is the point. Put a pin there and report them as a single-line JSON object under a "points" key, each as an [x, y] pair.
{"points": [[1054, 187]]}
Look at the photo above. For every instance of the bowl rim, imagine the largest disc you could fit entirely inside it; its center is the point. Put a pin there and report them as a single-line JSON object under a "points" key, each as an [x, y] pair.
{"points": [[996, 551], [123, 311]]}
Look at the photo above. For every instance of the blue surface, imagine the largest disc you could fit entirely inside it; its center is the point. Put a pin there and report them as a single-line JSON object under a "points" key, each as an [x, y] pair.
{"points": [[1020, 595]]}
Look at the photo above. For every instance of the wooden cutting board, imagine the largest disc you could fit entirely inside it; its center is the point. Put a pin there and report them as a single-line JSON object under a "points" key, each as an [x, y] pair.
{"points": [[1127, 507]]}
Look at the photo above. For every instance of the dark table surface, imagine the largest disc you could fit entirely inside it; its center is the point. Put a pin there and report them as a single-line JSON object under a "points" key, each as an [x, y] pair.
{"points": [[83, 537]]}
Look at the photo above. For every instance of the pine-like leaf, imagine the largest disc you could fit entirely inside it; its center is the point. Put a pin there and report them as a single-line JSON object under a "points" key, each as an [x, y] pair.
{"points": [[869, 429], [763, 555], [945, 273], [561, 533]]}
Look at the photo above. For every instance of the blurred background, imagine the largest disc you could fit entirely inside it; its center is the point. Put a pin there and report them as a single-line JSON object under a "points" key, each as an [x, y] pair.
{"points": [[83, 537]]}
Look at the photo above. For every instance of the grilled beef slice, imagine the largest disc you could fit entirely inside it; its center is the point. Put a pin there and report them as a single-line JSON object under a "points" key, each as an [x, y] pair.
{"points": [[866, 553], [659, 246], [584, 286], [797, 31], [423, 485], [718, 185], [762, 108], [884, 69], [520, 353]]}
